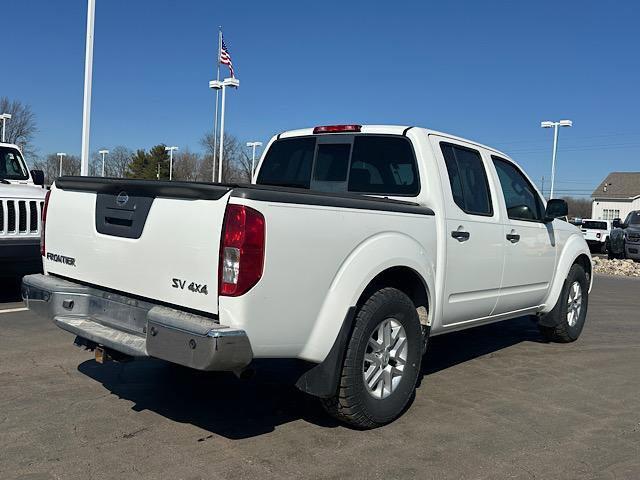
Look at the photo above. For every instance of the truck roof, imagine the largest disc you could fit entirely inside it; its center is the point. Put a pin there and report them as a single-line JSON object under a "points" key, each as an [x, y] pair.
{"points": [[393, 130]]}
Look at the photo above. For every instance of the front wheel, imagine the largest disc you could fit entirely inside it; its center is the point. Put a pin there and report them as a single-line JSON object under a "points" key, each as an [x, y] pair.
{"points": [[570, 311], [382, 362]]}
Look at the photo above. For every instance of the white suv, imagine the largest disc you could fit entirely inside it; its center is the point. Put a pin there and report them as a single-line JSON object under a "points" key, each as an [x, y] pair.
{"points": [[596, 233], [21, 200]]}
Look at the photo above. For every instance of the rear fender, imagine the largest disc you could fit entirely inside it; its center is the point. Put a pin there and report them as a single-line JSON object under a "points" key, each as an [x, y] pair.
{"points": [[574, 247], [371, 257]]}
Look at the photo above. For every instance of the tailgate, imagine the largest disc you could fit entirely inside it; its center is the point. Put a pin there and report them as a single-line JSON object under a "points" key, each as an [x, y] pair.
{"points": [[158, 240]]}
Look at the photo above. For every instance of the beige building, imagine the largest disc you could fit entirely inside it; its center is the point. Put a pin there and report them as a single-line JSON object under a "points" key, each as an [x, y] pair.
{"points": [[616, 196]]}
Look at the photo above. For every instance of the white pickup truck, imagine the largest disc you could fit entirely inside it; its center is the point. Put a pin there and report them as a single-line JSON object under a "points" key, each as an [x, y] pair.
{"points": [[353, 245], [21, 199]]}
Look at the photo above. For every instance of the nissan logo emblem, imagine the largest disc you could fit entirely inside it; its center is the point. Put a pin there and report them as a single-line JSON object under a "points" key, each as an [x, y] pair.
{"points": [[122, 199]]}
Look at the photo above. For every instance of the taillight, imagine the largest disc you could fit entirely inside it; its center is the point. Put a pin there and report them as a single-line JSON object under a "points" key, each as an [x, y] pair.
{"points": [[337, 128], [241, 250], [44, 222]]}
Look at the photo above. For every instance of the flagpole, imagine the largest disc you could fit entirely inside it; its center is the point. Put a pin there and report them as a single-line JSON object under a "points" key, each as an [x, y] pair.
{"points": [[215, 118]]}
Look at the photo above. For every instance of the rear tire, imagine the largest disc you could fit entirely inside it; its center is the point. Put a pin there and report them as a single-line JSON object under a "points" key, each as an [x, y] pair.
{"points": [[381, 364], [570, 311]]}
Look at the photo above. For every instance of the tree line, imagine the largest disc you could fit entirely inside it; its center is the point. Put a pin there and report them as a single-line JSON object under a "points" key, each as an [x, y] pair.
{"points": [[153, 164], [123, 162]]}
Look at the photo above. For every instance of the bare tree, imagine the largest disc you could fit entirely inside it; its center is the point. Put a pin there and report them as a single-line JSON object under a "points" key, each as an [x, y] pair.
{"points": [[117, 161], [22, 126], [236, 164], [50, 165], [186, 166], [579, 207]]}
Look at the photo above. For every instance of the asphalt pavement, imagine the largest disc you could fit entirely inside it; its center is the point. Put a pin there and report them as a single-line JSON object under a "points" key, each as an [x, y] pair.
{"points": [[495, 402]]}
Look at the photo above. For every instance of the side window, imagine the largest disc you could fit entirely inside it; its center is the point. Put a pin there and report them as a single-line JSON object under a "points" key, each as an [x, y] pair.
{"points": [[523, 202], [383, 164], [468, 179]]}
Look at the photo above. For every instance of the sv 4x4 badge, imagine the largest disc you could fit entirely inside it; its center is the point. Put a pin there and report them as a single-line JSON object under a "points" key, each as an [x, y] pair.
{"points": [[192, 287]]}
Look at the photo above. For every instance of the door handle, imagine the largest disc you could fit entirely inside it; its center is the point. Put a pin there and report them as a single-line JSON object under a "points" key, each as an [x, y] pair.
{"points": [[460, 236], [513, 237]]}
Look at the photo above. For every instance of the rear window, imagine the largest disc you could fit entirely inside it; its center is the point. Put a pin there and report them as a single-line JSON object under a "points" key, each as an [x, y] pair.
{"points": [[375, 164], [288, 163], [595, 225], [383, 165]]}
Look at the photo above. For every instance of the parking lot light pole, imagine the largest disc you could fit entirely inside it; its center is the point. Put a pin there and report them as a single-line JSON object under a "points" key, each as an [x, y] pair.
{"points": [[253, 145], [170, 150], [61, 154], [103, 153], [4, 117], [227, 82], [555, 125], [88, 73]]}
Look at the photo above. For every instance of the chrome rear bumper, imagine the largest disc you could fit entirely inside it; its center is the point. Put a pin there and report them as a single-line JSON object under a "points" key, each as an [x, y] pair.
{"points": [[137, 328]]}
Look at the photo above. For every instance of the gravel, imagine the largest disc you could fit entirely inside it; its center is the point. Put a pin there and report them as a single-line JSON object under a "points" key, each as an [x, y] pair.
{"points": [[626, 268]]}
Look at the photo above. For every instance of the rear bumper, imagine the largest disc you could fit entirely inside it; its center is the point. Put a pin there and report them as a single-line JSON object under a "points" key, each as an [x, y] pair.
{"points": [[135, 327]]}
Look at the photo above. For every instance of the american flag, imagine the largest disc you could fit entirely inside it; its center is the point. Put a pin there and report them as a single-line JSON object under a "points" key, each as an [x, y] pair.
{"points": [[225, 57]]}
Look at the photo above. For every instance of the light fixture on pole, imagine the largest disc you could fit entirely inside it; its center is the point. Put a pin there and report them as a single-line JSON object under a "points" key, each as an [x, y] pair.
{"points": [[86, 104], [103, 153], [170, 150], [227, 82], [61, 154], [4, 117], [253, 145], [555, 125]]}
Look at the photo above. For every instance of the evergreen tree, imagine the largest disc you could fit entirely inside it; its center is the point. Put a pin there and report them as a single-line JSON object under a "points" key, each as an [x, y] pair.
{"points": [[145, 164]]}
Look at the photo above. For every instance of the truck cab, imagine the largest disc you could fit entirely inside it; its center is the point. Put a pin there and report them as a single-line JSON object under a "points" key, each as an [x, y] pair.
{"points": [[21, 199]]}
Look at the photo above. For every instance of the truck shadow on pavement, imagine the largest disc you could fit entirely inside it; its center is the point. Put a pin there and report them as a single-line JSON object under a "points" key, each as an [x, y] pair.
{"points": [[224, 405]]}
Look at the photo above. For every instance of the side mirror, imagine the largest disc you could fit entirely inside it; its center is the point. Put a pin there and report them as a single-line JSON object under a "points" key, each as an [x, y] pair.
{"points": [[556, 208], [38, 177], [617, 223]]}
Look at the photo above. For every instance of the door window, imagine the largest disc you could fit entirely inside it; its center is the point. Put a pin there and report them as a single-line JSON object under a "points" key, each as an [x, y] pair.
{"points": [[523, 202], [468, 179]]}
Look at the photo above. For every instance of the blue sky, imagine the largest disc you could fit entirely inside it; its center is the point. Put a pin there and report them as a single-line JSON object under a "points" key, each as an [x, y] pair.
{"points": [[489, 71]]}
